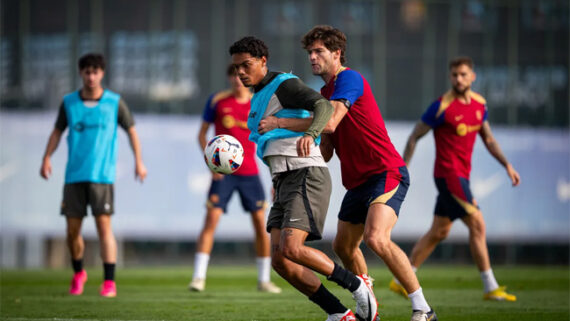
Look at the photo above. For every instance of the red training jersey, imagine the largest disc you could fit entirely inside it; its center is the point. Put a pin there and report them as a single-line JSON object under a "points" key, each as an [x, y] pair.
{"points": [[455, 126], [360, 139], [230, 118]]}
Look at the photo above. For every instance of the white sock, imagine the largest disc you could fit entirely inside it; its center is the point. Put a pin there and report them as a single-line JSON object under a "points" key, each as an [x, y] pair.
{"points": [[263, 268], [489, 282], [418, 301], [415, 269], [200, 265]]}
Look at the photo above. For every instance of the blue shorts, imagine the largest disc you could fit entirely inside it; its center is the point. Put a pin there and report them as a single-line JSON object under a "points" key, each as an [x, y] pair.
{"points": [[388, 188], [249, 188], [455, 199]]}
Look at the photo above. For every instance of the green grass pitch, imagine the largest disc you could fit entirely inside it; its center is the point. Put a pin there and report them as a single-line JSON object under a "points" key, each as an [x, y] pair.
{"points": [[161, 294]]}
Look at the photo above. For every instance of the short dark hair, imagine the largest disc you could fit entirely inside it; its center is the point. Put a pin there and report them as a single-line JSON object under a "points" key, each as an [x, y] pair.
{"points": [[231, 71], [332, 38], [462, 60], [95, 60], [251, 45]]}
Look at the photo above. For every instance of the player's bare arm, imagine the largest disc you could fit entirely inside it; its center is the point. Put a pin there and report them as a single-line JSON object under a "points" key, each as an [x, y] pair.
{"points": [[301, 124], [53, 142], [202, 134], [140, 168], [202, 140], [339, 112], [493, 147], [418, 132]]}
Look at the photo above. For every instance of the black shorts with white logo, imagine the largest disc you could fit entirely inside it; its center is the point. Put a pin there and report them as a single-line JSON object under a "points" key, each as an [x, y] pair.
{"points": [[301, 200], [76, 197]]}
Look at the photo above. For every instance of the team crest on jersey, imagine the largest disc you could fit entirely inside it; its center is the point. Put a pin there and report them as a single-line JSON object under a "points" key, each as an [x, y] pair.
{"points": [[478, 115], [464, 129], [228, 121]]}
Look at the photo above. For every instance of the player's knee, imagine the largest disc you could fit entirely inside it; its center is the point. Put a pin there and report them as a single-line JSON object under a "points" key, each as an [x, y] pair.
{"points": [[441, 233], [278, 262], [290, 251], [72, 234], [378, 243], [477, 229]]}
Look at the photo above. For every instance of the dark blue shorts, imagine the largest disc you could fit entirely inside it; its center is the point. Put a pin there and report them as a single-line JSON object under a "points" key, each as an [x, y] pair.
{"points": [[388, 188], [455, 199], [249, 188]]}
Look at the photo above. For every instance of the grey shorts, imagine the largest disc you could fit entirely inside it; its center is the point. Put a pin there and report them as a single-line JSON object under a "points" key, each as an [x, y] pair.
{"points": [[77, 196], [301, 200]]}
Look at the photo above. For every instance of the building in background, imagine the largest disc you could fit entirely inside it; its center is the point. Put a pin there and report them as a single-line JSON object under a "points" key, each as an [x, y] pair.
{"points": [[166, 55]]}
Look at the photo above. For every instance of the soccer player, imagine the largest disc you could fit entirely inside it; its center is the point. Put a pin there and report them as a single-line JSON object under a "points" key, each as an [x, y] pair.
{"points": [[228, 111], [372, 170], [301, 181], [456, 118], [92, 115]]}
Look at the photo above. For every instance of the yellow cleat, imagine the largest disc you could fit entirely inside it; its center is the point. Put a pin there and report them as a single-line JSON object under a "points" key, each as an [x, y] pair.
{"points": [[398, 289], [500, 294]]}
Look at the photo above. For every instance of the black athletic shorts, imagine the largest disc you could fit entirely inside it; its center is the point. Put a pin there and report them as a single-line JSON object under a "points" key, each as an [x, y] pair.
{"points": [[76, 197]]}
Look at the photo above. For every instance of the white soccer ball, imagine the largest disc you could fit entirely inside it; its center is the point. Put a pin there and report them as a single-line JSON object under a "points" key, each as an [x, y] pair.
{"points": [[224, 154]]}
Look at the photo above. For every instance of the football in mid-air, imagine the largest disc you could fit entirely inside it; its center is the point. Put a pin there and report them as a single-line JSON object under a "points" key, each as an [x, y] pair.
{"points": [[224, 154]]}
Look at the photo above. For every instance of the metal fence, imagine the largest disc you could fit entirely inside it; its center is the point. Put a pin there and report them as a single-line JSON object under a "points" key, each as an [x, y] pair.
{"points": [[167, 56]]}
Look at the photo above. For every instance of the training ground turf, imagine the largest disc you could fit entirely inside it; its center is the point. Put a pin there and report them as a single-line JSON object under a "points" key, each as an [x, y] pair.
{"points": [[161, 294]]}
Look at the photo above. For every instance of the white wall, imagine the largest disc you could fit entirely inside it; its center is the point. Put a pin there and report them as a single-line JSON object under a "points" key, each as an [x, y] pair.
{"points": [[170, 204]]}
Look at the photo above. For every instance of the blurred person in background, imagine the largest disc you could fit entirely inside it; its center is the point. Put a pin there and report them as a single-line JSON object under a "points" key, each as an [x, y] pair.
{"points": [[228, 111], [92, 115], [456, 118]]}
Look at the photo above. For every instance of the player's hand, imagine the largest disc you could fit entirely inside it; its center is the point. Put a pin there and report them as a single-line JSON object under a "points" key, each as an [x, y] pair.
{"points": [[140, 171], [45, 170], [513, 175], [304, 146], [267, 124], [217, 176]]}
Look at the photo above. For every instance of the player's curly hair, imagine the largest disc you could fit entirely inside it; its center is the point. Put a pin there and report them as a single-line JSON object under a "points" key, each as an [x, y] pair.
{"points": [[461, 60], [332, 38], [95, 60], [251, 45]]}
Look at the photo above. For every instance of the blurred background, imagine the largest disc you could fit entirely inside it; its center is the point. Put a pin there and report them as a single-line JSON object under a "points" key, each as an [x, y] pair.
{"points": [[165, 57]]}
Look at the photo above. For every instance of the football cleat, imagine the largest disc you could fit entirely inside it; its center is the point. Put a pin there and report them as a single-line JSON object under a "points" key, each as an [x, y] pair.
{"points": [[499, 294], [77, 283], [268, 287], [108, 289], [366, 304], [418, 315], [398, 289], [368, 279], [197, 285], [347, 316]]}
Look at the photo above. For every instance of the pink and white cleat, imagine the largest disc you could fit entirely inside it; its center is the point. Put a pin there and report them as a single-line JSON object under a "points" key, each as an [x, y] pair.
{"points": [[108, 289], [77, 283]]}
